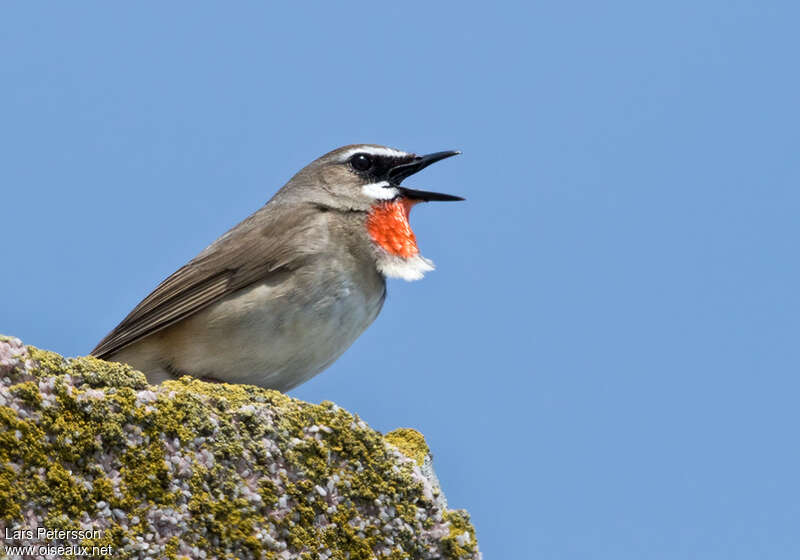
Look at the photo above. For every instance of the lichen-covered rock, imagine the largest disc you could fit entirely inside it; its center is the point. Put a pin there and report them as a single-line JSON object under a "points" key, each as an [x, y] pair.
{"points": [[189, 469]]}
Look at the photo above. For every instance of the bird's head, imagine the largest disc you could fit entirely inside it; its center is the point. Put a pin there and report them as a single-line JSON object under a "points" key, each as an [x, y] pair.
{"points": [[368, 178]]}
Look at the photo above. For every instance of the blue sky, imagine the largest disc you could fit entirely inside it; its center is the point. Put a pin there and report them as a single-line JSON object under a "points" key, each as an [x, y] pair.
{"points": [[605, 362]]}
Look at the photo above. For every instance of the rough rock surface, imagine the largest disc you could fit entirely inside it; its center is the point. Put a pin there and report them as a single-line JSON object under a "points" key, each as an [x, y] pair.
{"points": [[189, 469]]}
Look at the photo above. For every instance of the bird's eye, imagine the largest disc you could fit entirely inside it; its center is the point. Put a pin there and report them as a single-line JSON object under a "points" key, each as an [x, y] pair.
{"points": [[361, 162]]}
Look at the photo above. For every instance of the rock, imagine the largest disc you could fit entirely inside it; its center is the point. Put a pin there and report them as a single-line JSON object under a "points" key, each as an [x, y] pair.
{"points": [[189, 469]]}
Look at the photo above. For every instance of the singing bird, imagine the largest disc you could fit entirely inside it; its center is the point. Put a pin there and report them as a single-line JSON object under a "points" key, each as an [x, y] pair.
{"points": [[283, 294]]}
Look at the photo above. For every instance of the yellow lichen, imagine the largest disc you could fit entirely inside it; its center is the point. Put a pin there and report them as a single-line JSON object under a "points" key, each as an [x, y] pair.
{"points": [[460, 542], [410, 442], [64, 492], [321, 448], [27, 391], [96, 372]]}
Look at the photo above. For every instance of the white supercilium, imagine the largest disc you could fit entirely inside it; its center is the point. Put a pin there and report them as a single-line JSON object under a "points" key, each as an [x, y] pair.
{"points": [[372, 150]]}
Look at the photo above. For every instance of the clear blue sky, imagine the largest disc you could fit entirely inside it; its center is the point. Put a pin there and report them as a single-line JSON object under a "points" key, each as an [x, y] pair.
{"points": [[605, 362]]}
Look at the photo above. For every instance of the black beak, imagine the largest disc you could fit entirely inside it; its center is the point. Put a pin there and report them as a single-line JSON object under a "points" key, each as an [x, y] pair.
{"points": [[400, 172]]}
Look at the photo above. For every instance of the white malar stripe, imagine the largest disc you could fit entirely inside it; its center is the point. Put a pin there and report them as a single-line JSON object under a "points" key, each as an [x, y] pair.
{"points": [[374, 151], [412, 268], [380, 191]]}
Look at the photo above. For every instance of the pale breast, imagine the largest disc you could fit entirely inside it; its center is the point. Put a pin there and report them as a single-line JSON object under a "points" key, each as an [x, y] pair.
{"points": [[277, 333]]}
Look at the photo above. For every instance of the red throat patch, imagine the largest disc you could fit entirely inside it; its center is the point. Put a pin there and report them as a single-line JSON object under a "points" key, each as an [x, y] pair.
{"points": [[387, 224]]}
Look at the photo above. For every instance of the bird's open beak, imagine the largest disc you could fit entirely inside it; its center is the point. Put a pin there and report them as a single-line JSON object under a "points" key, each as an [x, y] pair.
{"points": [[400, 172]]}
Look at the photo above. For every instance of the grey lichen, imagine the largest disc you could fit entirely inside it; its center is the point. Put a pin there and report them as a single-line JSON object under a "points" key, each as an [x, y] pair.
{"points": [[189, 469]]}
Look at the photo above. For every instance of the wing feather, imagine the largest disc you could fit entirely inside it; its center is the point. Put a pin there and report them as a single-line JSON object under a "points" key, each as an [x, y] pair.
{"points": [[258, 247]]}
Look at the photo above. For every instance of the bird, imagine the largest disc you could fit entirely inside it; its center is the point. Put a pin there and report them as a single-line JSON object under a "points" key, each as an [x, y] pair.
{"points": [[280, 296]]}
